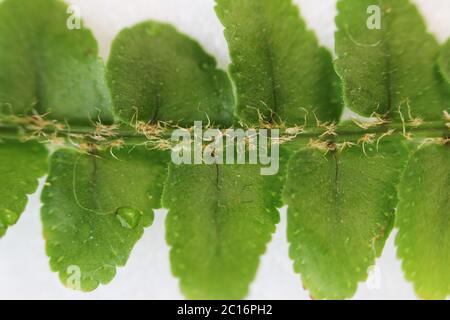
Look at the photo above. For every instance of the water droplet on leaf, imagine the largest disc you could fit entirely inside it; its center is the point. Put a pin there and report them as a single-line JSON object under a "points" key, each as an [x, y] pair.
{"points": [[10, 218], [128, 217], [205, 65], [152, 30]]}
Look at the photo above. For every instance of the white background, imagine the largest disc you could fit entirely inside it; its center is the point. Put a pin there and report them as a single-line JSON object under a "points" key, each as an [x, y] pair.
{"points": [[24, 269]]}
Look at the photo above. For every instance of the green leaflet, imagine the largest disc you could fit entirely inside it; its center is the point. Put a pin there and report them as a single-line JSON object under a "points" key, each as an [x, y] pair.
{"points": [[444, 61], [46, 67], [95, 208], [277, 64], [21, 164], [158, 74], [423, 220], [386, 69], [341, 209], [220, 221]]}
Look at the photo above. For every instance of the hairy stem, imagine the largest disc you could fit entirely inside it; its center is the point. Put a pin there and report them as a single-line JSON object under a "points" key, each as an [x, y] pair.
{"points": [[153, 134]]}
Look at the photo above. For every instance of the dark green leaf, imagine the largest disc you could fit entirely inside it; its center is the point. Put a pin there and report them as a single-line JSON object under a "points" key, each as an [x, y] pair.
{"points": [[444, 61], [277, 65], [47, 68], [390, 68], [220, 221], [341, 209], [158, 74], [96, 208], [21, 164]]}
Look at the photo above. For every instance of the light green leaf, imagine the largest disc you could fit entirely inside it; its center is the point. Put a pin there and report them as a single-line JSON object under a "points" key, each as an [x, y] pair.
{"points": [[96, 208], [277, 64], [341, 210], [158, 74], [387, 69], [21, 164], [423, 219], [46, 67], [220, 221]]}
